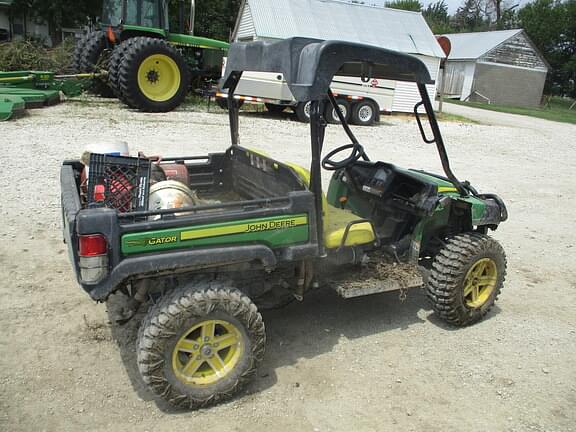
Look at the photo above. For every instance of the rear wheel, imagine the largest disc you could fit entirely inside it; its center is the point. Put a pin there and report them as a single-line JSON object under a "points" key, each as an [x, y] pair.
{"points": [[95, 58], [364, 113], [76, 66], [332, 116], [201, 344], [114, 68], [153, 76], [302, 111], [466, 277]]}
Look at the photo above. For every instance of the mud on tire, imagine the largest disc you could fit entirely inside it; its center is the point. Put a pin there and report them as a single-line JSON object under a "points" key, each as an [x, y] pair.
{"points": [[170, 319], [451, 269]]}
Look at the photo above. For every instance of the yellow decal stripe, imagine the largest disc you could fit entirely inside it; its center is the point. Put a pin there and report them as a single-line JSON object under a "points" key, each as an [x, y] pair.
{"points": [[447, 189], [249, 227]]}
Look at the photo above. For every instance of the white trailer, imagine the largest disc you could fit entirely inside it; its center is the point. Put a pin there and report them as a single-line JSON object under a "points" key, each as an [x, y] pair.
{"points": [[397, 30], [360, 102]]}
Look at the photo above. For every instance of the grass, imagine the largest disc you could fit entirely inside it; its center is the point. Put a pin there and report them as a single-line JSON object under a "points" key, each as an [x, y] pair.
{"points": [[557, 110], [454, 118]]}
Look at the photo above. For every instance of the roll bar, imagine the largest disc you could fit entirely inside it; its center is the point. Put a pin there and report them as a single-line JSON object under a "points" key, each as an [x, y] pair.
{"points": [[308, 66]]}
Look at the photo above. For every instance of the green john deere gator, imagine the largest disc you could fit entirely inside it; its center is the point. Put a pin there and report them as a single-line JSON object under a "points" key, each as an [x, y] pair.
{"points": [[150, 66], [258, 232]]}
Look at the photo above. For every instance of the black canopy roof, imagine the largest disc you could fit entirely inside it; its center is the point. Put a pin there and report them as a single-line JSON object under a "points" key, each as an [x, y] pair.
{"points": [[308, 65]]}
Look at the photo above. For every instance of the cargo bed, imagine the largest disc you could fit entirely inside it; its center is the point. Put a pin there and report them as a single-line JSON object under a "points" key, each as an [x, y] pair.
{"points": [[255, 209]]}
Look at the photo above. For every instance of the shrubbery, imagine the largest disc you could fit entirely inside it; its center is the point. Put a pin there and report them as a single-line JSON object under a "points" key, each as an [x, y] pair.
{"points": [[31, 55]]}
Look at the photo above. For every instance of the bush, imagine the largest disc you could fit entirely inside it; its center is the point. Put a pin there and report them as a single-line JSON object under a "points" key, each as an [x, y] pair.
{"points": [[31, 55]]}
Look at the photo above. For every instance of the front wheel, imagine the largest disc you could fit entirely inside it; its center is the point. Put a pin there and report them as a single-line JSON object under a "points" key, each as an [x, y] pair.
{"points": [[466, 277], [201, 344]]}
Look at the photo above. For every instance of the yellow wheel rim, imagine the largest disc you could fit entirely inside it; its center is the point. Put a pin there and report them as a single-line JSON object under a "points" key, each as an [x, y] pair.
{"points": [[480, 282], [207, 352], [159, 78]]}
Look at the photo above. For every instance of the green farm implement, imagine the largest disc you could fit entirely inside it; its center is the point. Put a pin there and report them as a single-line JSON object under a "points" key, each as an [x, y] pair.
{"points": [[32, 89]]}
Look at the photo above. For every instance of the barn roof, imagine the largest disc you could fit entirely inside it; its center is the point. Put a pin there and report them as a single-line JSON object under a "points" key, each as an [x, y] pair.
{"points": [[470, 46], [392, 29]]}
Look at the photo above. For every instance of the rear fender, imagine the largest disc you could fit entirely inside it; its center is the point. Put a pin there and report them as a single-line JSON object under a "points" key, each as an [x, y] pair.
{"points": [[150, 266]]}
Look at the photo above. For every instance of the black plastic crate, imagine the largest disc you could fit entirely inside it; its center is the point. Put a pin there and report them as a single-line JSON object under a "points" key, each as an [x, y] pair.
{"points": [[119, 182]]}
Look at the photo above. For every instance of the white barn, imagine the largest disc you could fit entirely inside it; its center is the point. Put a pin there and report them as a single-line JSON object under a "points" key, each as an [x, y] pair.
{"points": [[393, 29]]}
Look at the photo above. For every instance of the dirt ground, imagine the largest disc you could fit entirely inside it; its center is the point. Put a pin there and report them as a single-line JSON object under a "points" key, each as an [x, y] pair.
{"points": [[368, 364]]}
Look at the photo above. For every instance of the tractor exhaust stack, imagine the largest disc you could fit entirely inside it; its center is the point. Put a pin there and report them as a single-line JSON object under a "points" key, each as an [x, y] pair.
{"points": [[192, 16]]}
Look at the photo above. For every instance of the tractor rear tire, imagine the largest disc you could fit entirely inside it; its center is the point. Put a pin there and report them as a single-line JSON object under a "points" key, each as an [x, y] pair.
{"points": [[76, 66], [201, 344], [95, 57], [466, 278], [116, 60], [153, 76]]}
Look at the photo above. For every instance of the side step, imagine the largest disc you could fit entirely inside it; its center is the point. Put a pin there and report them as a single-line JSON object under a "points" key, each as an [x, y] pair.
{"points": [[382, 278]]}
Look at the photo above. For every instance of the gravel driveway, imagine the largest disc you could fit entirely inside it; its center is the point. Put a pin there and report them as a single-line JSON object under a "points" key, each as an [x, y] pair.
{"points": [[368, 364]]}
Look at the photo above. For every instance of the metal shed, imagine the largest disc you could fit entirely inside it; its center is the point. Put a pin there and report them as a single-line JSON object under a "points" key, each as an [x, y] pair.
{"points": [[393, 29], [499, 67]]}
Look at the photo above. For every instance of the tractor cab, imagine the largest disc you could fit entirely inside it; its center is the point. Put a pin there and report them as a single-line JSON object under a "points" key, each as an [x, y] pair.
{"points": [[140, 13], [148, 16]]}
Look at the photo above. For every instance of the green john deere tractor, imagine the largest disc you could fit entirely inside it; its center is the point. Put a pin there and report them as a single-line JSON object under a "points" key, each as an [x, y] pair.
{"points": [[150, 67]]}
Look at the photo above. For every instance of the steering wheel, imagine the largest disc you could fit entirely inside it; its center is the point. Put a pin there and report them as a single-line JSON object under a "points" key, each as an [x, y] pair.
{"points": [[357, 152]]}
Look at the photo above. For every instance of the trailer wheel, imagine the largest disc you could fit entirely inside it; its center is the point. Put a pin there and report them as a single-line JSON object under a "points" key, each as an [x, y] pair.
{"points": [[153, 76], [275, 109], [96, 57], [332, 116], [364, 113], [302, 111], [466, 277], [201, 344]]}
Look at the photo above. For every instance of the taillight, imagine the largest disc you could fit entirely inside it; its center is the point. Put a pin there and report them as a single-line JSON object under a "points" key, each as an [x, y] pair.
{"points": [[92, 245], [99, 193]]}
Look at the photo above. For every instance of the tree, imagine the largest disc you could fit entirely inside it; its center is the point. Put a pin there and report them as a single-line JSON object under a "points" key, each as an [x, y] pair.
{"points": [[471, 17], [409, 5], [216, 18], [58, 13], [437, 17], [551, 25]]}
